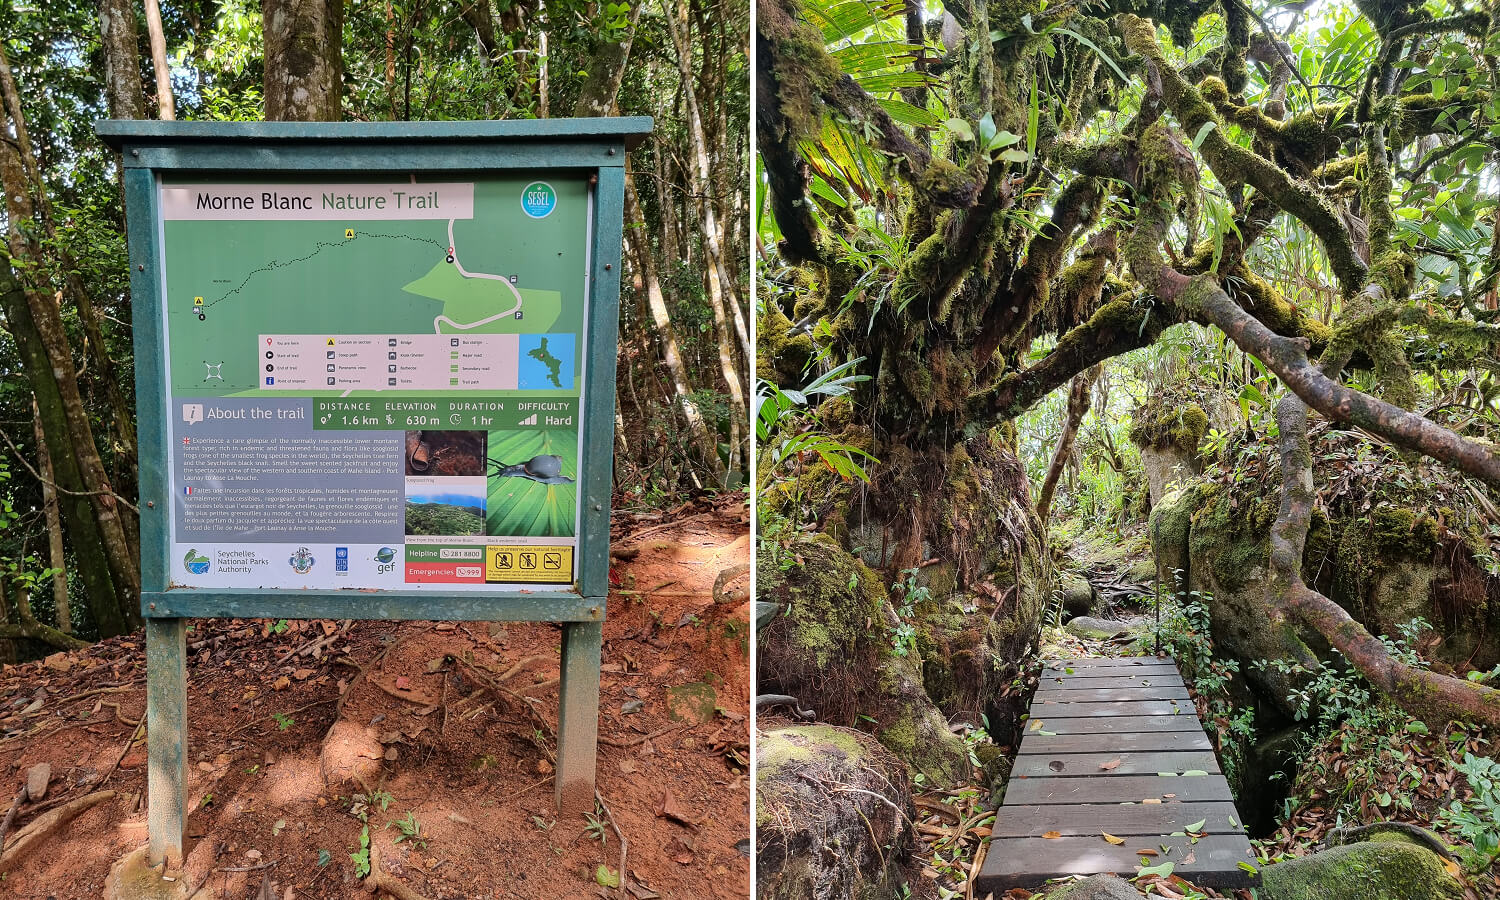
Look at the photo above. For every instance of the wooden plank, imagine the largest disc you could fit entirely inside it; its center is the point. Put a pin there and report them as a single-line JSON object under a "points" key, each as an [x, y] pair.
{"points": [[1091, 695], [1094, 662], [1109, 742], [1068, 765], [1117, 789], [1151, 820], [1060, 710], [1073, 683], [1110, 672], [1112, 724], [1028, 862]]}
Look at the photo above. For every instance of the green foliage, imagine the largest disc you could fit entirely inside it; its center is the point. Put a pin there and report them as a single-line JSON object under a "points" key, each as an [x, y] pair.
{"points": [[361, 856], [1476, 819], [283, 721], [410, 830], [904, 632]]}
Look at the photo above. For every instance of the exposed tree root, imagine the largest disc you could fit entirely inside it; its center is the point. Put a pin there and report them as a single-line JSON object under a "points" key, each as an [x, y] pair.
{"points": [[45, 826]]}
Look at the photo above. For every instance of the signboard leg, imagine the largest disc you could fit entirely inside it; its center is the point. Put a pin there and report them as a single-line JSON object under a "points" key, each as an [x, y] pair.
{"points": [[578, 717], [166, 739]]}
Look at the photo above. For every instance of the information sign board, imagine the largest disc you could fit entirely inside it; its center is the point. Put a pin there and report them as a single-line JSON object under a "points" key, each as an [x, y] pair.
{"points": [[375, 379]]}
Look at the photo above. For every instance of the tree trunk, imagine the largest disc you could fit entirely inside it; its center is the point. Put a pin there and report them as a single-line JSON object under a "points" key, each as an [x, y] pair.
{"points": [[703, 183], [304, 77], [666, 336], [166, 108], [55, 559], [1079, 395], [606, 71], [720, 289], [107, 600], [122, 60], [88, 315]]}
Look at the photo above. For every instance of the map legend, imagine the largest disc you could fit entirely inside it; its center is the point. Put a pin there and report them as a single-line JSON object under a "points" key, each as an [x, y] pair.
{"points": [[372, 362]]}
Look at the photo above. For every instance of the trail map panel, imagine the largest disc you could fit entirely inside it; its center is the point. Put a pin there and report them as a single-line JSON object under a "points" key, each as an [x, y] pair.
{"points": [[375, 384]]}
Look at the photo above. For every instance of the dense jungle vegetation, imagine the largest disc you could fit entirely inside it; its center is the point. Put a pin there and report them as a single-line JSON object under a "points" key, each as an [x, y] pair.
{"points": [[1182, 315], [68, 542]]}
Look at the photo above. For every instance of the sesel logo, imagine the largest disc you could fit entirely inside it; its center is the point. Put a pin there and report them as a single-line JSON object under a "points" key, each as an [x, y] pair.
{"points": [[302, 561], [538, 199], [195, 562], [386, 558]]}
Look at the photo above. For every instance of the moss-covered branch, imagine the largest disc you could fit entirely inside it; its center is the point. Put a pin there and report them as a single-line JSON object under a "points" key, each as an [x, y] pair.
{"points": [[1233, 164]]}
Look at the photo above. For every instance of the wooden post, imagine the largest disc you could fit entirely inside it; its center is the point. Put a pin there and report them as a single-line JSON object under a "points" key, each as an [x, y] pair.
{"points": [[578, 717], [166, 739]]}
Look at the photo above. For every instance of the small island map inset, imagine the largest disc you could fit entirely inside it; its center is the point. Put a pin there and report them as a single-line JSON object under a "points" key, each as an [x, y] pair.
{"points": [[546, 362]]}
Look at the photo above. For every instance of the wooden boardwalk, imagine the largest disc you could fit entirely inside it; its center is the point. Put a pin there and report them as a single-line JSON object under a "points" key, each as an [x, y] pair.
{"points": [[1114, 746]]}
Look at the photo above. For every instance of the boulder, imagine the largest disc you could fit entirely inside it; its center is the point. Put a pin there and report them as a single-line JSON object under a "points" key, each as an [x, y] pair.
{"points": [[818, 843], [1077, 595], [1096, 629], [1167, 468], [1096, 887], [1370, 870]]}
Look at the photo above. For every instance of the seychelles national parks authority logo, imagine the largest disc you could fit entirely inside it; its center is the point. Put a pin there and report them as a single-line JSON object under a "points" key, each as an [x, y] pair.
{"points": [[301, 561], [195, 562]]}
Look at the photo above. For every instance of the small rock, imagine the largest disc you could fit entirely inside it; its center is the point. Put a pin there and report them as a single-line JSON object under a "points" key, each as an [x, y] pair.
{"points": [[631, 706], [543, 767], [252, 854], [37, 778], [391, 753], [281, 683]]}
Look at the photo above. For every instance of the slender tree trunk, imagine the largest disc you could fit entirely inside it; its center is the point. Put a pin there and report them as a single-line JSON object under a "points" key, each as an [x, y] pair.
{"points": [[721, 290], [55, 559], [543, 73], [1079, 395], [122, 60], [702, 184], [666, 336], [166, 108], [304, 76], [390, 53]]}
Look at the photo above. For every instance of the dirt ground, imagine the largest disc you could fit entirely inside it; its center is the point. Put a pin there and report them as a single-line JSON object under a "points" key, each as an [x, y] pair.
{"points": [[460, 750]]}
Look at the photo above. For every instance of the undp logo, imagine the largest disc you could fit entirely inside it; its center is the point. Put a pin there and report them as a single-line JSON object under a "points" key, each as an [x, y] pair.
{"points": [[538, 200]]}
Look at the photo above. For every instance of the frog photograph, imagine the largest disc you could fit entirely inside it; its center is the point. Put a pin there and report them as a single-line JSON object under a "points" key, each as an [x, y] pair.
{"points": [[1125, 451]]}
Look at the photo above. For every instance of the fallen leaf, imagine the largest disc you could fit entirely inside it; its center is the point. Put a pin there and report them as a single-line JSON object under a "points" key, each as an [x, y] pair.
{"points": [[403, 683], [1051, 835], [1111, 765], [281, 683], [1452, 868], [1147, 852], [669, 808], [1152, 800], [1111, 838]]}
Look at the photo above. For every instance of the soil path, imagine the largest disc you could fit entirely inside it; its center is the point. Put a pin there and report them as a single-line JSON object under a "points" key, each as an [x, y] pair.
{"points": [[469, 764]]}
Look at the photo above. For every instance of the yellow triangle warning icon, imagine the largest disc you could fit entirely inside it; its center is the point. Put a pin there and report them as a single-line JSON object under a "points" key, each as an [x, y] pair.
{"points": [[330, 342], [348, 233]]}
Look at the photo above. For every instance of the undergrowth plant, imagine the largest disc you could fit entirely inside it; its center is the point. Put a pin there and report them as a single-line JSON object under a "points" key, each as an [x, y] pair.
{"points": [[1476, 819]]}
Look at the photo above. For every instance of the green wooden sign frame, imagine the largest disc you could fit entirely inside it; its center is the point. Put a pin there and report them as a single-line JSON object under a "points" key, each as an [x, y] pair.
{"points": [[594, 148]]}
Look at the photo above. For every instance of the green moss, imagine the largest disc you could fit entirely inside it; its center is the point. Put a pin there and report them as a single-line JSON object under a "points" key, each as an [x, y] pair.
{"points": [[1274, 311], [1403, 533], [1168, 421], [1369, 870]]}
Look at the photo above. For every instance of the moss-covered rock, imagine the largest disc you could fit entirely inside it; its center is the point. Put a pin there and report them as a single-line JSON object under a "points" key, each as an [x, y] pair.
{"points": [[816, 843], [834, 648], [1077, 595], [1096, 887], [1372, 870]]}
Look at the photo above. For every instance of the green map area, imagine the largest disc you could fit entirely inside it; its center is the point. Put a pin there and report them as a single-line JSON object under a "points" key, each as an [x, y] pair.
{"points": [[229, 281]]}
